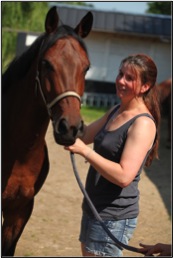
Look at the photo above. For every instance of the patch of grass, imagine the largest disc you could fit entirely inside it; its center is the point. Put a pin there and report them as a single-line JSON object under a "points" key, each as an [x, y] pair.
{"points": [[91, 114]]}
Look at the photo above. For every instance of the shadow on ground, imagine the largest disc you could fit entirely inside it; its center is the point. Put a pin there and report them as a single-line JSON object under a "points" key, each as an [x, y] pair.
{"points": [[162, 177]]}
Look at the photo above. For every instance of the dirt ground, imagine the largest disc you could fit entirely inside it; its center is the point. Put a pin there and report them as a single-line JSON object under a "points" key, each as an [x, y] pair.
{"points": [[55, 222]]}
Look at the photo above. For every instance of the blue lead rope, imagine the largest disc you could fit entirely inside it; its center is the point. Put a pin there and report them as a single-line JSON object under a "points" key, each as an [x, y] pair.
{"points": [[97, 216]]}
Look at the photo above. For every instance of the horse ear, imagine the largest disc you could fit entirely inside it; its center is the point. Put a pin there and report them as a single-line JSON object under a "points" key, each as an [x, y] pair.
{"points": [[85, 25], [52, 19]]}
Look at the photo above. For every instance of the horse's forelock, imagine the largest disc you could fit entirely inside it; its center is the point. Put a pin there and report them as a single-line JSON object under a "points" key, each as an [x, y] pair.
{"points": [[62, 31]]}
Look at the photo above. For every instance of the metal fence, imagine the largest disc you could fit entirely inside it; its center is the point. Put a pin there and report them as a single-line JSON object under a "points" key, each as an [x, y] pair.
{"points": [[99, 99]]}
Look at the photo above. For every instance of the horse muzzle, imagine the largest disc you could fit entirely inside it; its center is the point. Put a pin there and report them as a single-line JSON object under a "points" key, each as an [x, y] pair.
{"points": [[66, 133]]}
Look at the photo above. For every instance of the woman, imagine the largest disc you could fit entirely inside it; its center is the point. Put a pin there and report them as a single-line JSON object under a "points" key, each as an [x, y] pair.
{"points": [[125, 139]]}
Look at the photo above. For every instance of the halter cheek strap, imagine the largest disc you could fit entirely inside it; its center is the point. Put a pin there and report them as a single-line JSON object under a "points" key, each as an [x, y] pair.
{"points": [[58, 98]]}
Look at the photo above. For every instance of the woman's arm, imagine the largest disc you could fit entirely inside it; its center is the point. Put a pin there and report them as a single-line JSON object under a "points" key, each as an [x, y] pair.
{"points": [[140, 138]]}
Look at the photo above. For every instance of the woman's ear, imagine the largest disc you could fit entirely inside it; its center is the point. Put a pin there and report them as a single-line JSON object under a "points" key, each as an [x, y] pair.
{"points": [[145, 88]]}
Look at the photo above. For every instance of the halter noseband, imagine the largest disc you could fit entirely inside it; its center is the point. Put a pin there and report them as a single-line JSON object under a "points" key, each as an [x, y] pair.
{"points": [[56, 99]]}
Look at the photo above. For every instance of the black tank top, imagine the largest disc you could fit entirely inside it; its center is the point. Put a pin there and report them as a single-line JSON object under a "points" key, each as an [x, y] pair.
{"points": [[110, 200]]}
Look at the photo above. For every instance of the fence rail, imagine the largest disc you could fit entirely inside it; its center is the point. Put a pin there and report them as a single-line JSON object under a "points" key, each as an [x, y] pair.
{"points": [[99, 99]]}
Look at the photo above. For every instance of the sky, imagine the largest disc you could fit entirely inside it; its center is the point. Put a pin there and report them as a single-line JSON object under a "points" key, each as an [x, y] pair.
{"points": [[123, 6]]}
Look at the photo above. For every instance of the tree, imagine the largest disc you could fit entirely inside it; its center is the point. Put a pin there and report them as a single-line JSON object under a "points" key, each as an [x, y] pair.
{"points": [[159, 7], [19, 16], [24, 15]]}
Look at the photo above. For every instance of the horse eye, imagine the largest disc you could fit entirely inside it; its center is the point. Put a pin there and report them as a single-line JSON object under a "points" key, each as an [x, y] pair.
{"points": [[47, 65]]}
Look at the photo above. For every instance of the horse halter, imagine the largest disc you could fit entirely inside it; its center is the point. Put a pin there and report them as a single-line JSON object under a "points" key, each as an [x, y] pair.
{"points": [[56, 99]]}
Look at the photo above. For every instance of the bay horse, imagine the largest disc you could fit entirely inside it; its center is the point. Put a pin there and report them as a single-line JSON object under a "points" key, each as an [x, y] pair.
{"points": [[45, 83], [164, 94]]}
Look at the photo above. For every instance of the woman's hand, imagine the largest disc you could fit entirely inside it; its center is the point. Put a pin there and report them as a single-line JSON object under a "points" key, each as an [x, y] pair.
{"points": [[79, 147]]}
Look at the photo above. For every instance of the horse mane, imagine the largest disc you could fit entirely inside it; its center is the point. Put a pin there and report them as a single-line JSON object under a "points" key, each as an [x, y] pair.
{"points": [[19, 66]]}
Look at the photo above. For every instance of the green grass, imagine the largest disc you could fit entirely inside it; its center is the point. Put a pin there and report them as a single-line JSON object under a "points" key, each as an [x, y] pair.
{"points": [[91, 114]]}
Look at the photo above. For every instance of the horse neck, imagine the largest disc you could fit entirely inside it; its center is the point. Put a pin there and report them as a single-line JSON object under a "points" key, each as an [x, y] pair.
{"points": [[23, 101]]}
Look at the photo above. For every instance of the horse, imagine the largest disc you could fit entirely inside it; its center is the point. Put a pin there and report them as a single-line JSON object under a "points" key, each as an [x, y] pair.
{"points": [[164, 94], [43, 84]]}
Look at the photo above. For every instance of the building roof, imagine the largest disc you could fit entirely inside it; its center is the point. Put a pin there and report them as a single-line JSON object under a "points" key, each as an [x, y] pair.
{"points": [[157, 26]]}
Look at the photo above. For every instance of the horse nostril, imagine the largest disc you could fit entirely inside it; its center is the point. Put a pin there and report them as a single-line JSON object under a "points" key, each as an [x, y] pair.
{"points": [[64, 129], [63, 126], [74, 131], [81, 126]]}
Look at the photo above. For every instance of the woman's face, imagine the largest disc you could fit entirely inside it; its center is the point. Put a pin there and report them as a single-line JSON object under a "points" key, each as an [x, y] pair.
{"points": [[128, 83]]}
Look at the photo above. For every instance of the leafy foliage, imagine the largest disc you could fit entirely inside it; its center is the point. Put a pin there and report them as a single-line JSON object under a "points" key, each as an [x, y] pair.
{"points": [[24, 15], [19, 16], [159, 7]]}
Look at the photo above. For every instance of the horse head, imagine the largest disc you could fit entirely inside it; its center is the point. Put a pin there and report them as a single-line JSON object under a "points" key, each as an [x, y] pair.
{"points": [[63, 63]]}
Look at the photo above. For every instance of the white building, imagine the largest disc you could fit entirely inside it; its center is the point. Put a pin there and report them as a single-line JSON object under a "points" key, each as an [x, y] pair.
{"points": [[114, 36]]}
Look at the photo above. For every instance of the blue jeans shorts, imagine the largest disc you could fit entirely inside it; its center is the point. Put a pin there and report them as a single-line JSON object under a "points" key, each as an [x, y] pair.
{"points": [[97, 241]]}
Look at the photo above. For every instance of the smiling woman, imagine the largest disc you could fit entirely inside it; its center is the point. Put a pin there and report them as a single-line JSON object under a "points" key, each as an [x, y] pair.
{"points": [[125, 140]]}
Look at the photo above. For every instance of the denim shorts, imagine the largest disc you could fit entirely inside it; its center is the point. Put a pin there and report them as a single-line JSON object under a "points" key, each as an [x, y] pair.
{"points": [[97, 241]]}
